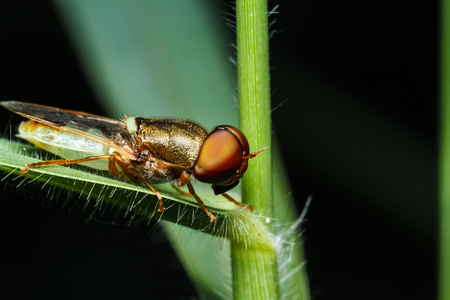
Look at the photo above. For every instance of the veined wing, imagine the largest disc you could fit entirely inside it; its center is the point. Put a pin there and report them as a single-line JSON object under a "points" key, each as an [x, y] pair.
{"points": [[109, 132]]}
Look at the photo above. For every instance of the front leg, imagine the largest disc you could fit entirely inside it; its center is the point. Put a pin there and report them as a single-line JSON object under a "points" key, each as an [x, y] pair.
{"points": [[184, 179], [124, 165]]}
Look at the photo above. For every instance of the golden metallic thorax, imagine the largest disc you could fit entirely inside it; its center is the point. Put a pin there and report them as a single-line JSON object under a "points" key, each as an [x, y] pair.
{"points": [[175, 141]]}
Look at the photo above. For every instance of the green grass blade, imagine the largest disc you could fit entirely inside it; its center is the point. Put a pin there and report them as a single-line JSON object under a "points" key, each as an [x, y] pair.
{"points": [[131, 197], [444, 178]]}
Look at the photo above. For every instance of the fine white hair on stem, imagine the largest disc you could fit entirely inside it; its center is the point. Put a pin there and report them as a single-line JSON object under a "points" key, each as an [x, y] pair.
{"points": [[286, 241]]}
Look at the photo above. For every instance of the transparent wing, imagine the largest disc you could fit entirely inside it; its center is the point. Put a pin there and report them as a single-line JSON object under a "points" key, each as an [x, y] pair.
{"points": [[109, 132]]}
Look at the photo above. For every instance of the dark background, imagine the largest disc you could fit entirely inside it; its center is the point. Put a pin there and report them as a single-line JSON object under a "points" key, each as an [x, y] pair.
{"points": [[355, 89]]}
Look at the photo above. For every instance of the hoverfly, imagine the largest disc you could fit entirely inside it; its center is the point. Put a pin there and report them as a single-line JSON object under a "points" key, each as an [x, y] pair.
{"points": [[148, 150]]}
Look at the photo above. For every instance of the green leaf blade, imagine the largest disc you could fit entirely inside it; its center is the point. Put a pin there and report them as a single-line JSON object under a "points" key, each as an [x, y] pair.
{"points": [[182, 210]]}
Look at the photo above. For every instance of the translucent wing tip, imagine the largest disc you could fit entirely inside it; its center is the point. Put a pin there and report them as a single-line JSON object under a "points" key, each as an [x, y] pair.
{"points": [[9, 104], [15, 106]]}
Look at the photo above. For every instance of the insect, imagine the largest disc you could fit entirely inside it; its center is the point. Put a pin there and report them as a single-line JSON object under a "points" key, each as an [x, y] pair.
{"points": [[148, 150]]}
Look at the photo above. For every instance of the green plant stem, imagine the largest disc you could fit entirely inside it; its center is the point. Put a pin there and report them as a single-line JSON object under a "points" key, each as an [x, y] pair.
{"points": [[255, 265], [247, 266], [254, 99], [253, 262], [444, 188]]}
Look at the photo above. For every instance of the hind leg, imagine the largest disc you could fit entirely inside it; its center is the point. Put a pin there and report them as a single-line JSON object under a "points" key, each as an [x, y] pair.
{"points": [[63, 162]]}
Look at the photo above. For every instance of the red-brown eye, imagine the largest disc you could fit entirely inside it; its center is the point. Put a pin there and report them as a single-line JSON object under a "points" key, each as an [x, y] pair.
{"points": [[221, 156]]}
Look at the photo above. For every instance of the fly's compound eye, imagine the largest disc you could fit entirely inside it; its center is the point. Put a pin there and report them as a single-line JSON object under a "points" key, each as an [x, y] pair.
{"points": [[222, 158]]}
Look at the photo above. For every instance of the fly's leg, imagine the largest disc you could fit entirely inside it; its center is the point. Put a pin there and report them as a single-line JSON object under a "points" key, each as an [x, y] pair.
{"points": [[123, 165], [228, 197], [231, 199], [63, 162], [112, 166], [184, 178], [161, 203], [180, 191]]}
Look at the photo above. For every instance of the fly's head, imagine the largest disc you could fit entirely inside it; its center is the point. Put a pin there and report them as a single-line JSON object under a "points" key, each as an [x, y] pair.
{"points": [[223, 158]]}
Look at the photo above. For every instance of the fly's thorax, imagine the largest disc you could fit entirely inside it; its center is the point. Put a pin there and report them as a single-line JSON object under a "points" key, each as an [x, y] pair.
{"points": [[174, 141]]}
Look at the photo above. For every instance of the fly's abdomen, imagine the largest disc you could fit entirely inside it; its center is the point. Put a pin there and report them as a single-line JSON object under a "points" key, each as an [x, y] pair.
{"points": [[64, 144]]}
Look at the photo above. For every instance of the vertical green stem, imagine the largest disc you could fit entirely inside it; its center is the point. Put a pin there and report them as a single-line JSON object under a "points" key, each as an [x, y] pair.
{"points": [[254, 99], [254, 273], [444, 188], [254, 267]]}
